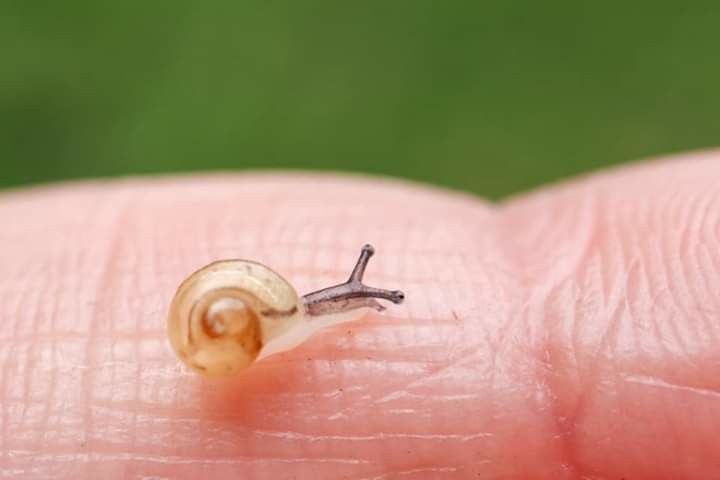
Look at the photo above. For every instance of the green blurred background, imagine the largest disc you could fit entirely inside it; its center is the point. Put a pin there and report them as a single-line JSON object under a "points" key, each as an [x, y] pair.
{"points": [[487, 96]]}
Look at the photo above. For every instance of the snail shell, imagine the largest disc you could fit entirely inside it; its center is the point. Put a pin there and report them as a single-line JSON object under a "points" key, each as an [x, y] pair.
{"points": [[225, 313]]}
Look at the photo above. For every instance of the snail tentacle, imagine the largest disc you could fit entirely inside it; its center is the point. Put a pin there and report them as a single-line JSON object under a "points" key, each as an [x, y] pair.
{"points": [[351, 294]]}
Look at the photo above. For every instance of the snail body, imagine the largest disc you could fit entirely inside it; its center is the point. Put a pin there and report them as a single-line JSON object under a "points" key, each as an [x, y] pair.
{"points": [[231, 313]]}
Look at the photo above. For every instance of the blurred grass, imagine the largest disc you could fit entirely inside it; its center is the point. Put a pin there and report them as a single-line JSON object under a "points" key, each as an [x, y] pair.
{"points": [[488, 96]]}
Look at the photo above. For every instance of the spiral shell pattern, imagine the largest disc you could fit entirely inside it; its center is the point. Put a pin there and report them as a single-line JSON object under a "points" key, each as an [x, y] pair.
{"points": [[223, 314]]}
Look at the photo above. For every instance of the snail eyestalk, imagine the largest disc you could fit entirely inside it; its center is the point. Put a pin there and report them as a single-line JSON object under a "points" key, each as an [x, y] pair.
{"points": [[352, 294]]}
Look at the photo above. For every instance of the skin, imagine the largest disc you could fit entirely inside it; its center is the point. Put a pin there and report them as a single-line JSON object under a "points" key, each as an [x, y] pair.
{"points": [[571, 333]]}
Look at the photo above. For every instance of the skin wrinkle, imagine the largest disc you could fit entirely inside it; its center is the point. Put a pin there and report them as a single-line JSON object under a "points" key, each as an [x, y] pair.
{"points": [[715, 310], [27, 388], [634, 318], [674, 289], [107, 277], [44, 384], [498, 336], [659, 383], [466, 358], [139, 321], [653, 302], [397, 391], [27, 380], [564, 421], [6, 367], [563, 429], [440, 400], [685, 251], [53, 314], [590, 378], [676, 306], [136, 457], [669, 274], [498, 343], [701, 264], [433, 470], [542, 289]]}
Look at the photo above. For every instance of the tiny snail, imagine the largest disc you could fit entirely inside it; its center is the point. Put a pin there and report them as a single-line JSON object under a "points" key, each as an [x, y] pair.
{"points": [[231, 313]]}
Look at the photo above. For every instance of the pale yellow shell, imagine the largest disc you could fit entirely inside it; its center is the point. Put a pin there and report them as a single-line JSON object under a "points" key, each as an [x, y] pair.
{"points": [[225, 313]]}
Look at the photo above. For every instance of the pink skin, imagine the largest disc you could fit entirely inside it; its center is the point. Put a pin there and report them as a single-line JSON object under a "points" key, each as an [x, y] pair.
{"points": [[572, 333]]}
